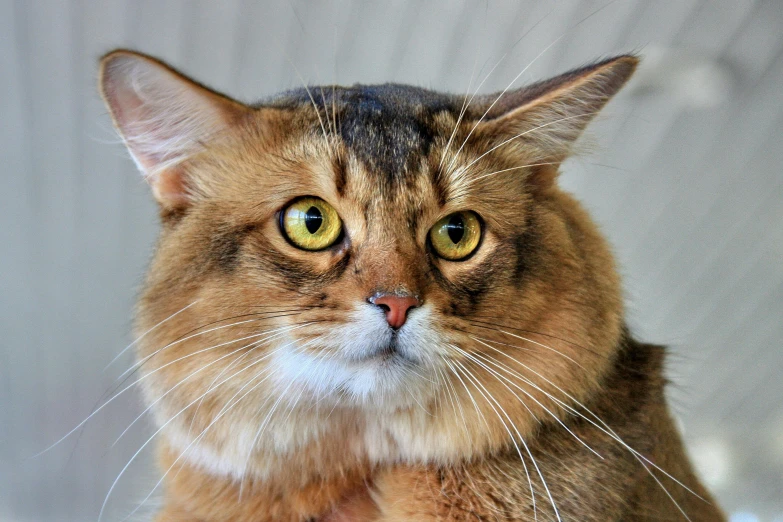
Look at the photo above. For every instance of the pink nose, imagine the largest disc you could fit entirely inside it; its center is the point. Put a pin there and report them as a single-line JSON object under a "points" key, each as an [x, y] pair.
{"points": [[396, 308]]}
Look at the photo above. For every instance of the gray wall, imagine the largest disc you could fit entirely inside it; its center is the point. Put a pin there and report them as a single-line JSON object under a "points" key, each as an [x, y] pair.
{"points": [[684, 177]]}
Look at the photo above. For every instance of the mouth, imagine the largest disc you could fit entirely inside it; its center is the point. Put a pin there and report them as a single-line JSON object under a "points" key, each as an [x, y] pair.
{"points": [[385, 353]]}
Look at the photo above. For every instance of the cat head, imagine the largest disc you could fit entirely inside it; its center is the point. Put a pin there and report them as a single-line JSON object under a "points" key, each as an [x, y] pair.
{"points": [[376, 250]]}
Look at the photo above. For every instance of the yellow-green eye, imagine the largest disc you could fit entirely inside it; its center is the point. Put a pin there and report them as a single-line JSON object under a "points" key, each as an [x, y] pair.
{"points": [[456, 236], [311, 223]]}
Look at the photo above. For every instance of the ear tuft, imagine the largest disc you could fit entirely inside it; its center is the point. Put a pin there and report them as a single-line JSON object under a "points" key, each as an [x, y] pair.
{"points": [[547, 117], [163, 117]]}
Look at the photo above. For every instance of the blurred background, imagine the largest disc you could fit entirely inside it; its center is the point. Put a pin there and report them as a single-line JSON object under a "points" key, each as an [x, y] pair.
{"points": [[685, 178]]}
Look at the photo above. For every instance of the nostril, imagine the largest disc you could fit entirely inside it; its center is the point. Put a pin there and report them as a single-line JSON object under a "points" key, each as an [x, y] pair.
{"points": [[395, 307]]}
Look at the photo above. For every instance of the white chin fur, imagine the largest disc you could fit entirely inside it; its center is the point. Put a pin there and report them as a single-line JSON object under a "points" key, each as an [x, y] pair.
{"points": [[354, 372], [393, 393]]}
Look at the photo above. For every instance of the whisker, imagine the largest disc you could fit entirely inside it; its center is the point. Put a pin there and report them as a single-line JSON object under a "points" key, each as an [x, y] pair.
{"points": [[425, 410], [481, 414], [146, 443], [332, 125], [468, 374], [542, 346], [180, 383], [501, 95], [224, 370], [606, 429], [409, 368], [467, 104], [268, 417], [454, 158], [524, 133], [452, 391], [473, 180], [533, 332], [494, 362], [255, 316], [228, 368], [254, 345], [139, 338], [223, 411], [315, 107], [437, 389], [134, 383], [470, 395]]}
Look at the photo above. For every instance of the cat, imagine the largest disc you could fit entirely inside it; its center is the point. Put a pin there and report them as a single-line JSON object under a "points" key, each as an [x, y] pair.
{"points": [[374, 303]]}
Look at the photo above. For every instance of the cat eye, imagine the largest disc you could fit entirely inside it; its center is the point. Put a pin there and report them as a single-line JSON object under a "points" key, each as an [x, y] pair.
{"points": [[311, 224], [456, 236]]}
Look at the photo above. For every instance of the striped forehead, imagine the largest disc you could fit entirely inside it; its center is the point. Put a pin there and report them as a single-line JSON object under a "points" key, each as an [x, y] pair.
{"points": [[388, 136], [389, 129]]}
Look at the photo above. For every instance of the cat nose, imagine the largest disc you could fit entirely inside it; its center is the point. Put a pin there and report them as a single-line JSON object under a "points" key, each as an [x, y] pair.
{"points": [[396, 307]]}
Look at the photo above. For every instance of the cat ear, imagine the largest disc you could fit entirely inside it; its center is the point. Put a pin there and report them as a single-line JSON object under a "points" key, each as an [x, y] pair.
{"points": [[546, 118], [163, 117]]}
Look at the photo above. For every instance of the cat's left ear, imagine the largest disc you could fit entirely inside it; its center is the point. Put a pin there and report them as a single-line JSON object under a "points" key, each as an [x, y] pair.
{"points": [[544, 120], [164, 119]]}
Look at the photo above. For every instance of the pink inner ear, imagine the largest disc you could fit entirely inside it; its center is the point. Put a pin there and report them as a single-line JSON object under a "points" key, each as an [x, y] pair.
{"points": [[144, 136], [150, 108], [164, 118]]}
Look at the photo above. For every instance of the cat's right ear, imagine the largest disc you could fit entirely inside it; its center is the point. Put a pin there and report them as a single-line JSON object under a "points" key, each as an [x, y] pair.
{"points": [[542, 121], [164, 118]]}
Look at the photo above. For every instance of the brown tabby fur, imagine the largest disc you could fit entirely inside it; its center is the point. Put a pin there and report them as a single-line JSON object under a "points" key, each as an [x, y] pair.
{"points": [[531, 324]]}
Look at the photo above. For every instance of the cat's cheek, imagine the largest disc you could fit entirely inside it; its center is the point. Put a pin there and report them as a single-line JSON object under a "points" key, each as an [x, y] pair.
{"points": [[422, 338]]}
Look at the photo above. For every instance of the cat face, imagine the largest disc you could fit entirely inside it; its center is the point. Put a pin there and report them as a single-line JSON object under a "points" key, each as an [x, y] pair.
{"points": [[362, 261]]}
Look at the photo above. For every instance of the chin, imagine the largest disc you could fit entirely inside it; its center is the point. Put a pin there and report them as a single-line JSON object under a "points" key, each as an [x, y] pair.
{"points": [[387, 380]]}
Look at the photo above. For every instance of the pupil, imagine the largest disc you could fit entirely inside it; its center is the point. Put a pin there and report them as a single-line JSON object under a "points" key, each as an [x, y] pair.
{"points": [[455, 228], [313, 219]]}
